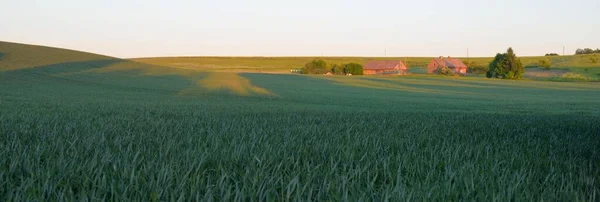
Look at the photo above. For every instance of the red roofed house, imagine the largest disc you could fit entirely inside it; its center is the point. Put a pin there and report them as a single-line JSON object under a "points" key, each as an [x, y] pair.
{"points": [[454, 64], [384, 67]]}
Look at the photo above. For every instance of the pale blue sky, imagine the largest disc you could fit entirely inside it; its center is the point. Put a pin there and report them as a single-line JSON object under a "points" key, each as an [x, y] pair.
{"points": [[142, 28]]}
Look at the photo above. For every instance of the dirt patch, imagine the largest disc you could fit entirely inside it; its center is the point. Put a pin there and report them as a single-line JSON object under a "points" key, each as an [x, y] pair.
{"points": [[542, 73]]}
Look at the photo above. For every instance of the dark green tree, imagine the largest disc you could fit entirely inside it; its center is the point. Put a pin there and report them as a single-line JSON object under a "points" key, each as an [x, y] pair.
{"points": [[580, 51], [353, 68], [506, 66], [337, 69], [315, 67]]}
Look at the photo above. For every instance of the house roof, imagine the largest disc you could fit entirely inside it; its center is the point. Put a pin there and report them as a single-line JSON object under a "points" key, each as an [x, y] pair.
{"points": [[450, 62], [457, 63], [384, 64]]}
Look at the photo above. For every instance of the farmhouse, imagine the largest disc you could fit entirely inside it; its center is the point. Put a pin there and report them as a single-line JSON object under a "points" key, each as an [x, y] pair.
{"points": [[454, 64], [384, 67]]}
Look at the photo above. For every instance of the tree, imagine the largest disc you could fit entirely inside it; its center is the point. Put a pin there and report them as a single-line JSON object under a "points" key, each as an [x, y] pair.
{"points": [[337, 69], [551, 54], [580, 51], [353, 68], [545, 63], [506, 66], [315, 67]]}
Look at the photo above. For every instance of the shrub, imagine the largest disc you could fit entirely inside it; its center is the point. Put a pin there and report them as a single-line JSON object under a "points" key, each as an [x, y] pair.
{"points": [[545, 64], [506, 66], [570, 77], [593, 58], [551, 54], [475, 68], [445, 71]]}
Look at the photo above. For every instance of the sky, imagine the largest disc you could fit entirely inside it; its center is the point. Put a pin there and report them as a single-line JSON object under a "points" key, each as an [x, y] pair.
{"points": [[149, 28]]}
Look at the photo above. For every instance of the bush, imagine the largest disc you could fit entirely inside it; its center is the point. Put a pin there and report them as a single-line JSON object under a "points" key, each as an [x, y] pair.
{"points": [[551, 54], [545, 64], [475, 68], [570, 77], [506, 66], [593, 59], [446, 71]]}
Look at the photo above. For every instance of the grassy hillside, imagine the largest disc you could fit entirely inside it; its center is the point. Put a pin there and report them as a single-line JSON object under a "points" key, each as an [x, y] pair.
{"points": [[87, 130], [581, 64], [16, 56]]}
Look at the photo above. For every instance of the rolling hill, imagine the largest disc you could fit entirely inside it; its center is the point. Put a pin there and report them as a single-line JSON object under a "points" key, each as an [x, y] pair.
{"points": [[14, 56], [78, 126]]}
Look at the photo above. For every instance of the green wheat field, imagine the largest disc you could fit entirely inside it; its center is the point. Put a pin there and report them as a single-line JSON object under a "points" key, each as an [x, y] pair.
{"points": [[86, 127]]}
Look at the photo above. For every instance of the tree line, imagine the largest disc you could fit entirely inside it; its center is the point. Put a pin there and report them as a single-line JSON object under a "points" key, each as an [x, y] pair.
{"points": [[584, 51], [320, 67], [504, 66]]}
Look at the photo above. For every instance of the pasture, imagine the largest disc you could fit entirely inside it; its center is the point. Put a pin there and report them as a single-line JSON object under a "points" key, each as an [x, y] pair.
{"points": [[78, 126]]}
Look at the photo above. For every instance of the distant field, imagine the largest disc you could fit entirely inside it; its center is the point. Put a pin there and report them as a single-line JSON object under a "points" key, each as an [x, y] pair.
{"points": [[89, 127], [576, 64]]}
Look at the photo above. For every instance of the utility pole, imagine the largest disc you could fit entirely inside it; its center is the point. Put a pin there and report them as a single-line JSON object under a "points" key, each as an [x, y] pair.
{"points": [[564, 59], [467, 54], [386, 52]]}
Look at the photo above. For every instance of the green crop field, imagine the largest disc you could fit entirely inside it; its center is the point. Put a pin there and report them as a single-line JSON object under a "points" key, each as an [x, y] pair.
{"points": [[78, 126]]}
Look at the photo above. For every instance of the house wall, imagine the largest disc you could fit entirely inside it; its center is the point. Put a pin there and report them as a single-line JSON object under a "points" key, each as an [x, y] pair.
{"points": [[382, 71], [432, 67], [369, 72]]}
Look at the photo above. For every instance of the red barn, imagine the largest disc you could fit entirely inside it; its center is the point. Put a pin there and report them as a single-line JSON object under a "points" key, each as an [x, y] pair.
{"points": [[454, 64], [384, 67]]}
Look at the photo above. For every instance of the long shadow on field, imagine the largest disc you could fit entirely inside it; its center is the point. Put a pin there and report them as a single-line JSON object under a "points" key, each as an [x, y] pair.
{"points": [[540, 85], [113, 73], [386, 84], [126, 74], [200, 82]]}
